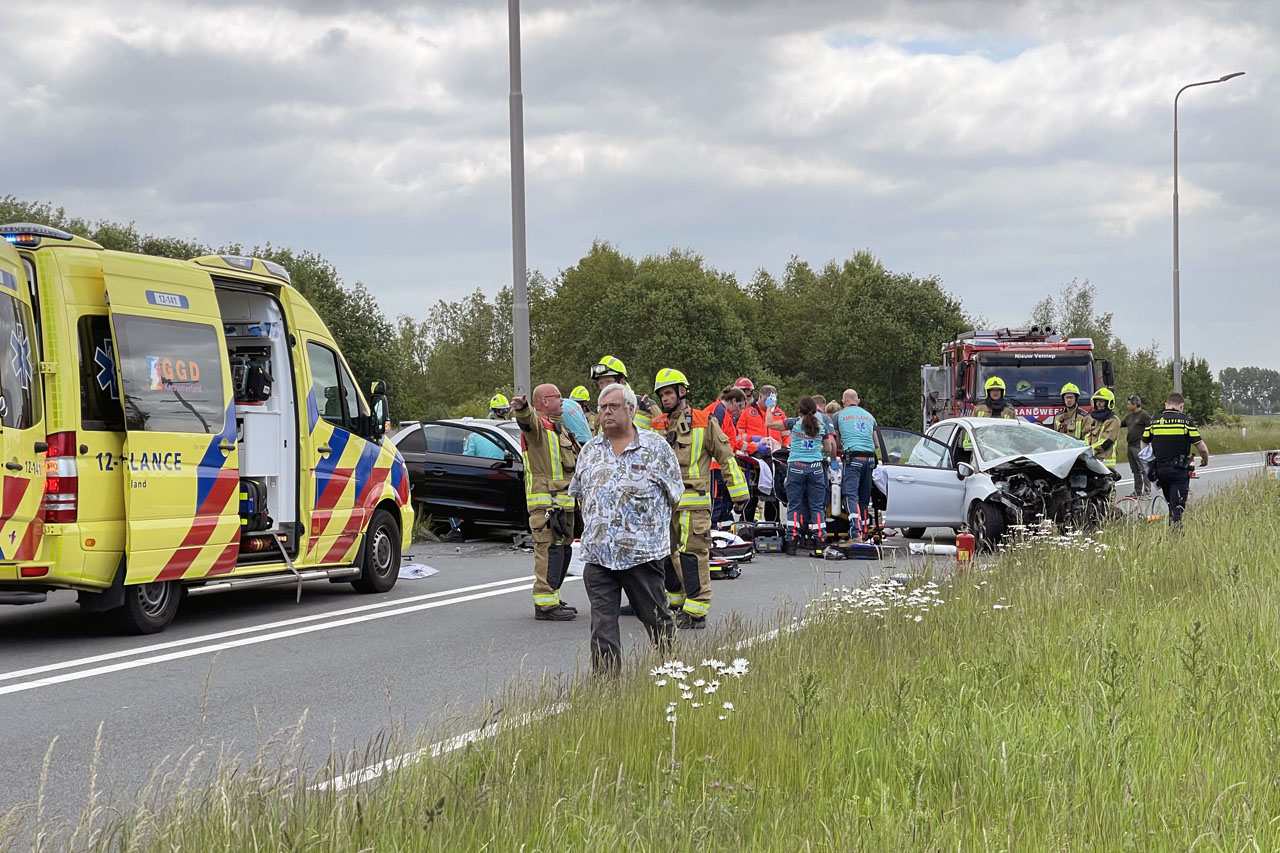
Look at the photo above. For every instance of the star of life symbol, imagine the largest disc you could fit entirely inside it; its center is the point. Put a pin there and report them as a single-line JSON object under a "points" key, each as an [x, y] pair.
{"points": [[106, 363], [21, 346]]}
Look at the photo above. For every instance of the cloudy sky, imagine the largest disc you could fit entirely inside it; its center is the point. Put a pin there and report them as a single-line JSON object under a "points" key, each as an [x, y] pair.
{"points": [[1006, 147]]}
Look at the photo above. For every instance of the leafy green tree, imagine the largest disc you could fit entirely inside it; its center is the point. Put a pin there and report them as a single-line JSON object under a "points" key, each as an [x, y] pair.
{"points": [[1250, 390], [664, 311], [352, 314], [1074, 313], [856, 324], [1203, 394]]}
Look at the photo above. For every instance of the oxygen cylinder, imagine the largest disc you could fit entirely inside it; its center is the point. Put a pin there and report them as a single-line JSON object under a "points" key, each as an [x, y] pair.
{"points": [[835, 475]]}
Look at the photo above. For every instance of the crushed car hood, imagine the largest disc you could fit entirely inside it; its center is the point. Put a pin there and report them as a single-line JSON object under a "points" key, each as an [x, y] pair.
{"points": [[1057, 462]]}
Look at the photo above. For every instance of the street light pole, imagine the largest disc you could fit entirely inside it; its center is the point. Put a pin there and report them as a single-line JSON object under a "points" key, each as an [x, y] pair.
{"points": [[519, 266], [1177, 308]]}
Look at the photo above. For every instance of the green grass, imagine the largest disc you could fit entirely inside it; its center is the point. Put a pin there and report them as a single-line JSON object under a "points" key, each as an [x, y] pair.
{"points": [[1074, 697], [1262, 432]]}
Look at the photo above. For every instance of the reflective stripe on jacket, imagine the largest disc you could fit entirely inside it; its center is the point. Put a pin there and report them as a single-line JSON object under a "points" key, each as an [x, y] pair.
{"points": [[1099, 432], [1074, 424], [699, 442], [549, 460]]}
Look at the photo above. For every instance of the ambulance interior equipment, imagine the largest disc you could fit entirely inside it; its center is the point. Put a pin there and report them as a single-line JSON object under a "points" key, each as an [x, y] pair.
{"points": [[266, 418]]}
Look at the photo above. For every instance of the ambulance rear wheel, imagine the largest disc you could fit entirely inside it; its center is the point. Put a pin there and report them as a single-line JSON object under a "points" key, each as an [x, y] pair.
{"points": [[381, 565], [148, 607]]}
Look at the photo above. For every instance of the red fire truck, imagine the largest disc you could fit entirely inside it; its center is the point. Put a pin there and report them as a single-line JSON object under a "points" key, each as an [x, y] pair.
{"points": [[1034, 363]]}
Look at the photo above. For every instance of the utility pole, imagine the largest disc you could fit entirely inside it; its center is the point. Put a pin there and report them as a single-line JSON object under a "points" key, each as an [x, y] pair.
{"points": [[1177, 282], [519, 266]]}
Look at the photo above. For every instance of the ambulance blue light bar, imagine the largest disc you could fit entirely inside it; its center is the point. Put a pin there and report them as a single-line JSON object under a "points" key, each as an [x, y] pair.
{"points": [[28, 234]]}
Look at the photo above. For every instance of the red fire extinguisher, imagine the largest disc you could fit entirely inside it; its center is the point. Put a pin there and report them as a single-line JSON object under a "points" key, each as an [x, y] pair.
{"points": [[965, 545]]}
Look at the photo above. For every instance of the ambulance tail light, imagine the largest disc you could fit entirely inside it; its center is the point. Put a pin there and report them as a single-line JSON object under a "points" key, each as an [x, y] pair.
{"points": [[61, 479]]}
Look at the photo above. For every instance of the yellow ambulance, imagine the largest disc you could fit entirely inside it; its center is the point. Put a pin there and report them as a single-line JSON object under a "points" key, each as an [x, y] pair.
{"points": [[174, 428]]}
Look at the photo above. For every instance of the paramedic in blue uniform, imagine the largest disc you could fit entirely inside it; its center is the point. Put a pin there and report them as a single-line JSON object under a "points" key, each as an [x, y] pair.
{"points": [[857, 428]]}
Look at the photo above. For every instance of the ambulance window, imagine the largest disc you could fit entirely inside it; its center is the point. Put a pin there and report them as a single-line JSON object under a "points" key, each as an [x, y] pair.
{"points": [[334, 390], [19, 379], [172, 375], [325, 384], [99, 385], [354, 403], [30, 269]]}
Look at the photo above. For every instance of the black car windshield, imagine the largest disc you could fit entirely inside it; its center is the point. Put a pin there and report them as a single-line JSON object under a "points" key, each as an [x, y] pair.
{"points": [[1036, 378], [999, 439]]}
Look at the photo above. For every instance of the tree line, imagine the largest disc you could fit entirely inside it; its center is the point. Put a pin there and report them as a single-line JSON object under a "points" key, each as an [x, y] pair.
{"points": [[814, 329], [1251, 390]]}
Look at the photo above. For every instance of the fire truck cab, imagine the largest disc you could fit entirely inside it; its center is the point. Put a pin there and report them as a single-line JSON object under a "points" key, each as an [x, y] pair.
{"points": [[1034, 363]]}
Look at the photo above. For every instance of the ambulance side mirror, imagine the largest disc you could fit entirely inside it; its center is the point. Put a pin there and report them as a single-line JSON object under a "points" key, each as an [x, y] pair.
{"points": [[378, 421]]}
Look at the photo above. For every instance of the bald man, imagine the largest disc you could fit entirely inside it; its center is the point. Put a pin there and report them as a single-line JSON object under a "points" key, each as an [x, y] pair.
{"points": [[856, 428], [550, 454]]}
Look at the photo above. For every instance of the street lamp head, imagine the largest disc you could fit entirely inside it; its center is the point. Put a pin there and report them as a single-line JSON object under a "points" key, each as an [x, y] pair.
{"points": [[1229, 76]]}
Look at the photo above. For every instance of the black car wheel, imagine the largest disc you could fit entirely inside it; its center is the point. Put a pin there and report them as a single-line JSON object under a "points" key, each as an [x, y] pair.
{"points": [[148, 607], [913, 532], [381, 566], [987, 524]]}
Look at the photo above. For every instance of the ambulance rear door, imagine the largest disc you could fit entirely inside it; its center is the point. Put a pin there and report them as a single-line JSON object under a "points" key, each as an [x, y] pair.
{"points": [[180, 463], [22, 445]]}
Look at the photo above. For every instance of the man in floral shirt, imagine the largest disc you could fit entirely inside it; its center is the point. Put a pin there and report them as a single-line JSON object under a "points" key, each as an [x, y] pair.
{"points": [[627, 482]]}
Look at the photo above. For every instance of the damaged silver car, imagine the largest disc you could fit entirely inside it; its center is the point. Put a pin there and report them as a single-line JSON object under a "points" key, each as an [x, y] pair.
{"points": [[988, 474]]}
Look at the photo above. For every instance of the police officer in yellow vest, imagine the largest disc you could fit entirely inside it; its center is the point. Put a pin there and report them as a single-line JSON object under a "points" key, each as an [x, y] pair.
{"points": [[1072, 420], [697, 439], [609, 370], [550, 454], [1103, 428], [995, 405]]}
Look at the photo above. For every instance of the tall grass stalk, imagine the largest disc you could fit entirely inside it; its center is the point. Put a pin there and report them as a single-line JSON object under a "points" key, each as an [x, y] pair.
{"points": [[1066, 696]]}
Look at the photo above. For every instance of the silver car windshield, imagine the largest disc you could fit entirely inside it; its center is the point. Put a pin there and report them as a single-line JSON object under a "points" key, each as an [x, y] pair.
{"points": [[997, 440]]}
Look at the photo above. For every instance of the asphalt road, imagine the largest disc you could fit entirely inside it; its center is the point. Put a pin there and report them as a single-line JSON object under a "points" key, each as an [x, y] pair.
{"points": [[236, 669]]}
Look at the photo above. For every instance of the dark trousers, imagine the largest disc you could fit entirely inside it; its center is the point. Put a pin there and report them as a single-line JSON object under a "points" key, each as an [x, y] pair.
{"points": [[721, 505], [806, 488], [855, 487], [1139, 469], [643, 585], [772, 509], [1175, 483]]}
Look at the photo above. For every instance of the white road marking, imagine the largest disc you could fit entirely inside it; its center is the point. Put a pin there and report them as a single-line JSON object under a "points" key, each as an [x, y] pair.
{"points": [[373, 771], [250, 641], [1201, 472], [236, 632]]}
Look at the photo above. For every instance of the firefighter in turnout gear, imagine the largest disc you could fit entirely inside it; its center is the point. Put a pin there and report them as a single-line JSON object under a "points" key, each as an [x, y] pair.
{"points": [[995, 405], [697, 440], [610, 369], [550, 453], [1072, 420], [1103, 429], [499, 408]]}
